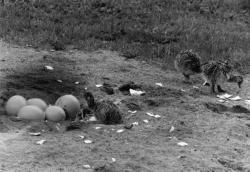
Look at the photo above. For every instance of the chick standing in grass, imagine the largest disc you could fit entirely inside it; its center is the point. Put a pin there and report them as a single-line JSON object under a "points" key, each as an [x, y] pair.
{"points": [[105, 111], [215, 73], [188, 63]]}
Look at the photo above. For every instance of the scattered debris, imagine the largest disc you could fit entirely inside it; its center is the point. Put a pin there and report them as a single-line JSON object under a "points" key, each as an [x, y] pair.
{"points": [[222, 100], [120, 131], [40, 142], [98, 128], [195, 87], [159, 84], [48, 67], [86, 166], [152, 115], [236, 98], [81, 137], [145, 121], [130, 111], [171, 129], [247, 102], [135, 123], [136, 93], [224, 96], [98, 85], [157, 116], [35, 134], [182, 144], [88, 141]]}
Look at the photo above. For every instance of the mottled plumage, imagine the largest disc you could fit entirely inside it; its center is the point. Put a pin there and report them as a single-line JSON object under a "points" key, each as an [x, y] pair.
{"points": [[105, 111], [188, 63], [237, 79], [216, 73]]}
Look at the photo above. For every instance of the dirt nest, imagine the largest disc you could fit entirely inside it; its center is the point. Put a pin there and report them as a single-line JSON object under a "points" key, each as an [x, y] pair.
{"points": [[164, 117]]}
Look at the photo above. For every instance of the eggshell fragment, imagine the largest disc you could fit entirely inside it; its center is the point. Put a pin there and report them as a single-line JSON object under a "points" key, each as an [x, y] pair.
{"points": [[14, 104], [32, 113], [37, 102], [55, 114]]}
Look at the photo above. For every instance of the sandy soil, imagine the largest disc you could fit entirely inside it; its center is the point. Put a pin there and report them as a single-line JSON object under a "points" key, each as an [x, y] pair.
{"points": [[218, 139]]}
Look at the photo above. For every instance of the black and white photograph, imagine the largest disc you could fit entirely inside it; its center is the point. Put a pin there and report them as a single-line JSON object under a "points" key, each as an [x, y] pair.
{"points": [[124, 85]]}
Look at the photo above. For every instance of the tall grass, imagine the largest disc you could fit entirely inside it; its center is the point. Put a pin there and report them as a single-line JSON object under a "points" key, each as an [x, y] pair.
{"points": [[154, 30]]}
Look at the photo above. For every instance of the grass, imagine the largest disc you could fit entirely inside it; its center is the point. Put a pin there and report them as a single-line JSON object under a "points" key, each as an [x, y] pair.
{"points": [[152, 30]]}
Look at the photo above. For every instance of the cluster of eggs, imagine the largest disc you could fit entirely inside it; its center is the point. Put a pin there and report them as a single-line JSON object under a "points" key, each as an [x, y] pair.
{"points": [[35, 109]]}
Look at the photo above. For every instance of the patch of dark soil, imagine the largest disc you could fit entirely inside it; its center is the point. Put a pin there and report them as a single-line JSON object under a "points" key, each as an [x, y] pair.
{"points": [[155, 102], [46, 82], [105, 168], [239, 109], [231, 164], [107, 88], [74, 126], [152, 102], [130, 85], [215, 107]]}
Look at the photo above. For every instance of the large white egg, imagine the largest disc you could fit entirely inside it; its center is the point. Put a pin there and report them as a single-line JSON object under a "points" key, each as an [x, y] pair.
{"points": [[14, 104], [37, 102], [31, 113], [55, 114], [70, 104]]}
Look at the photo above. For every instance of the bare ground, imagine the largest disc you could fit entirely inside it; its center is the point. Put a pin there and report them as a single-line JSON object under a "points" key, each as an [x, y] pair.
{"points": [[218, 139]]}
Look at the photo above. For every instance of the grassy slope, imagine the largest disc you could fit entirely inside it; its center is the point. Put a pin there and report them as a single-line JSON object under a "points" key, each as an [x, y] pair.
{"points": [[150, 29]]}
